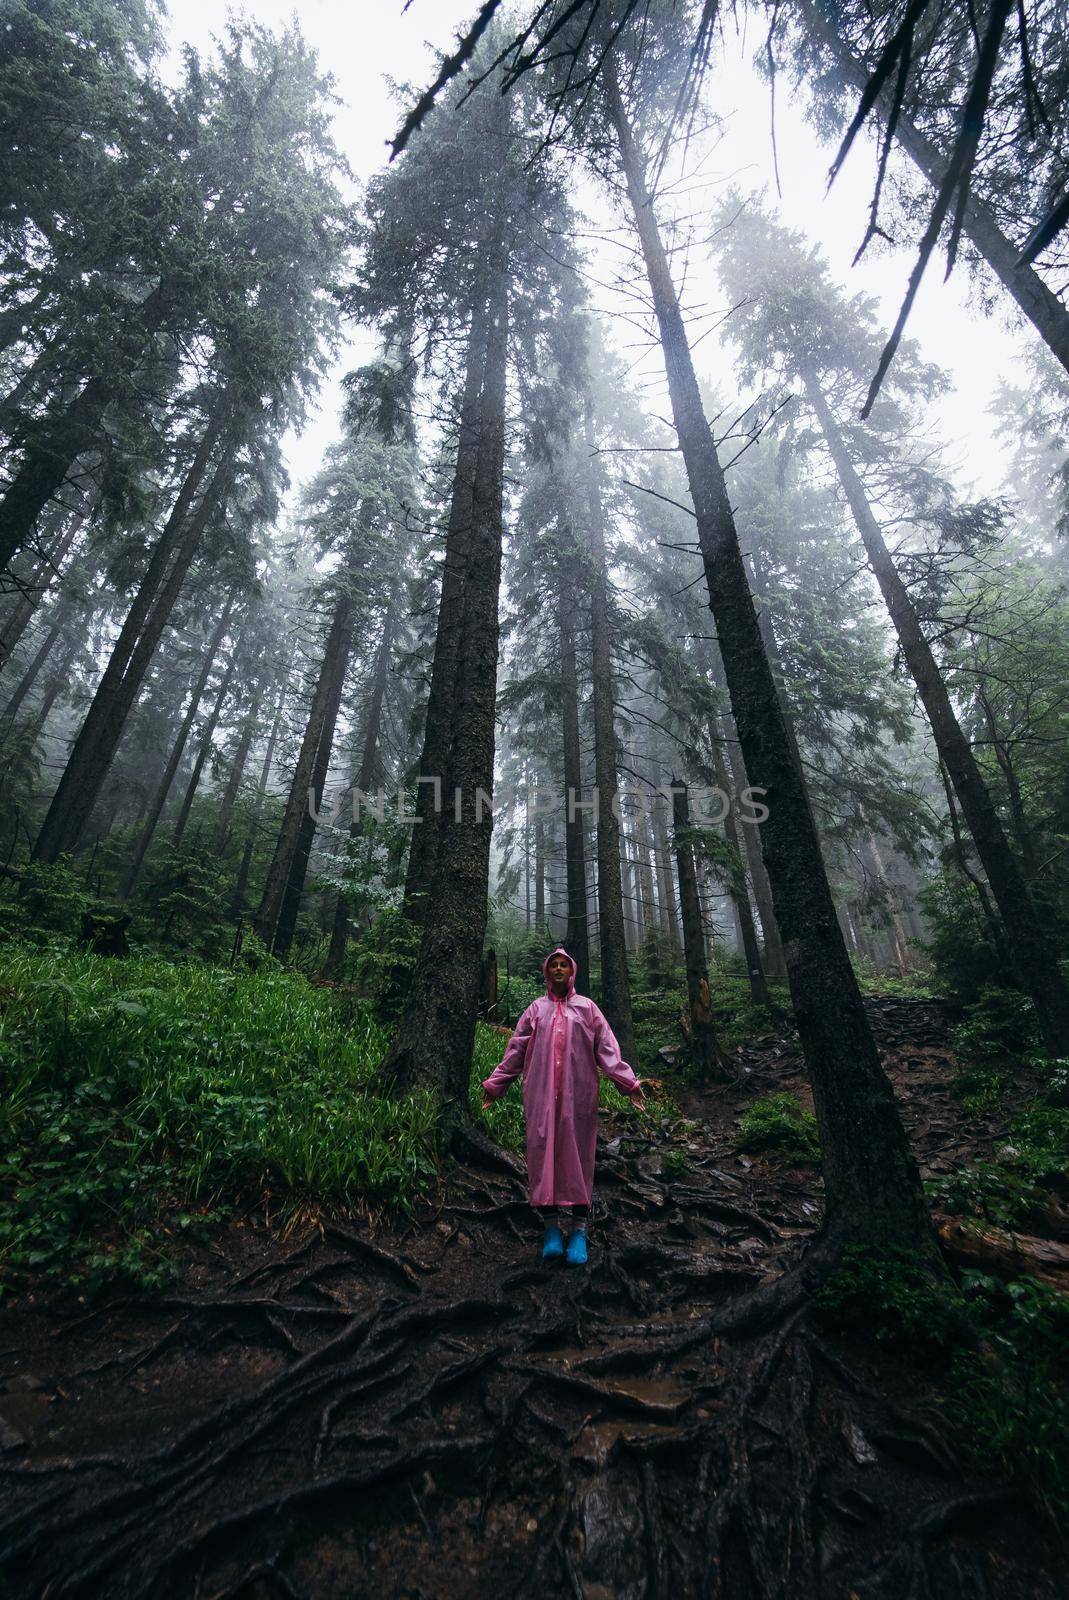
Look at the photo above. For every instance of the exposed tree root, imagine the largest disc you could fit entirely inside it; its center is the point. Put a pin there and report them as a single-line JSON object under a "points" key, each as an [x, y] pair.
{"points": [[663, 1423]]}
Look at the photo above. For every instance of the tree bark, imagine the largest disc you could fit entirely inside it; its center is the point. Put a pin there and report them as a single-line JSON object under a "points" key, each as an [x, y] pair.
{"points": [[1039, 304], [364, 776], [236, 775], [435, 756], [706, 1056], [238, 902], [432, 1046], [205, 746], [576, 938], [747, 932], [1035, 961], [96, 744], [322, 717], [615, 980], [178, 749], [873, 1193]]}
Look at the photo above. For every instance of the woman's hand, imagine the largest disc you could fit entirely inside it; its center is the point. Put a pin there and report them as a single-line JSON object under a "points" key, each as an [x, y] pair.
{"points": [[638, 1099], [487, 1102]]}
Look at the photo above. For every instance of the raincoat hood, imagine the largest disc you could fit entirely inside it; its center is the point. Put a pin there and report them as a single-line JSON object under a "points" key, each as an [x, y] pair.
{"points": [[559, 951]]}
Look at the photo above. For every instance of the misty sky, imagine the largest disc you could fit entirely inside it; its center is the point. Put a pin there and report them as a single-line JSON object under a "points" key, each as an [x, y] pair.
{"points": [[365, 43]]}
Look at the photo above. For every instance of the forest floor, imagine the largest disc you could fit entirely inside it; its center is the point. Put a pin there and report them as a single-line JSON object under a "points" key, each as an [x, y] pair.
{"points": [[428, 1411]]}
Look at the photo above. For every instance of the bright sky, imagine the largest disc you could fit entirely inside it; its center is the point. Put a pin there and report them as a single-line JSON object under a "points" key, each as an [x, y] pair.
{"points": [[365, 43]]}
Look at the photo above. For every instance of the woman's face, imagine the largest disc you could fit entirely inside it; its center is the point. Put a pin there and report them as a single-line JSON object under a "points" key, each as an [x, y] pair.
{"points": [[560, 972]]}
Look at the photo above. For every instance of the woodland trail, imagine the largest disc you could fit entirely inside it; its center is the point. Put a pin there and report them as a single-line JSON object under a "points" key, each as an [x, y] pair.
{"points": [[431, 1413]]}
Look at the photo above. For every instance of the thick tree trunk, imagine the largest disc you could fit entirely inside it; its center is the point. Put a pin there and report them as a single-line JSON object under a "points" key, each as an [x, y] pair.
{"points": [[94, 749], [705, 1053], [433, 1043], [364, 776], [1039, 304], [440, 719], [203, 753], [178, 749], [615, 980], [872, 1188], [322, 716], [576, 938], [1035, 961]]}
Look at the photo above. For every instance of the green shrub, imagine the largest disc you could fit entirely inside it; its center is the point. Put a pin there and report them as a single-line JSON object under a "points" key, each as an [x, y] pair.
{"points": [[384, 960], [981, 1088], [779, 1125], [890, 1297], [999, 1024]]}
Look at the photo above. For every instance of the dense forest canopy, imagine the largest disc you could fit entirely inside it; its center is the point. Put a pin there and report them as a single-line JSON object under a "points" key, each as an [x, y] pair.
{"points": [[598, 475]]}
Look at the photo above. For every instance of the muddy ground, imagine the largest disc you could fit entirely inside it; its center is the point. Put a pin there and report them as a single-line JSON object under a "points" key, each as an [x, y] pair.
{"points": [[430, 1412]]}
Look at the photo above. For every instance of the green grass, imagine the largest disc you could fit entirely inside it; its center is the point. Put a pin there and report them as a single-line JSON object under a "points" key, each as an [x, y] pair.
{"points": [[136, 1096]]}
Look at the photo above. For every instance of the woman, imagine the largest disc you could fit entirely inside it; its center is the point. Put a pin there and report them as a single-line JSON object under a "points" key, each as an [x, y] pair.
{"points": [[560, 1044]]}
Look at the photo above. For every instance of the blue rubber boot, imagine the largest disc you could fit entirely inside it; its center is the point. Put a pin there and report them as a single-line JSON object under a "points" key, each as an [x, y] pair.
{"points": [[553, 1246], [577, 1248]]}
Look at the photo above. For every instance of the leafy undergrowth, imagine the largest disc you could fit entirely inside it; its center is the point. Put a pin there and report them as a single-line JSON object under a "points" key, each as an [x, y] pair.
{"points": [[780, 1125], [137, 1096], [141, 1100]]}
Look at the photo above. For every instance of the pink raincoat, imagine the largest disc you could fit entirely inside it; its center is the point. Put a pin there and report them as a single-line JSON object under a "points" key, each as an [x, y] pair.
{"points": [[560, 1046]]}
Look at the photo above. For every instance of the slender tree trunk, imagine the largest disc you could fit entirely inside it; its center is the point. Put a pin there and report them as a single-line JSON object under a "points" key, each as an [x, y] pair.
{"points": [[236, 775], [540, 861], [434, 1040], [365, 775], [737, 887], [705, 1052], [669, 908], [94, 749], [576, 938], [205, 746], [35, 591], [178, 748], [323, 711], [445, 668], [30, 676], [615, 980], [1035, 960], [872, 1189], [59, 681], [1039, 304], [238, 902]]}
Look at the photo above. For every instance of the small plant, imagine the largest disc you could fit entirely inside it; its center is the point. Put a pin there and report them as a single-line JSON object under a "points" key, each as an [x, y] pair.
{"points": [[779, 1125], [981, 1089], [992, 1193], [675, 1166], [999, 1025], [891, 1297]]}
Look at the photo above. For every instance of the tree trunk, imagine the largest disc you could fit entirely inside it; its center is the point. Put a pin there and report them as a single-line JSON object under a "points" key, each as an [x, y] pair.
{"points": [[873, 1193], [178, 748], [94, 749], [705, 1053], [34, 593], [1035, 961], [364, 777], [662, 853], [737, 887], [30, 676], [238, 902], [323, 711], [236, 775], [441, 710], [615, 980], [1039, 304], [576, 938], [205, 746], [433, 1043]]}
